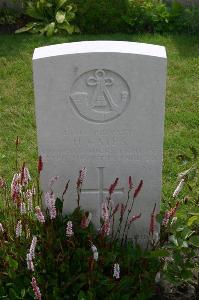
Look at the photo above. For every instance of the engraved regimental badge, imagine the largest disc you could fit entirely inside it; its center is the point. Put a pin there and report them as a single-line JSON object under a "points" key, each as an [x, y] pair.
{"points": [[100, 95]]}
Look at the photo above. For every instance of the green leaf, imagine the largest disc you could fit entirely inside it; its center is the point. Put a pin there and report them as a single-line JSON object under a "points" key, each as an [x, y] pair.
{"points": [[60, 16], [179, 229], [23, 292], [184, 244], [67, 27], [194, 214], [158, 253], [13, 264], [35, 11], [50, 29], [194, 240], [70, 8], [173, 239], [184, 173], [81, 296], [9, 284], [187, 233], [26, 28], [192, 220], [60, 3]]}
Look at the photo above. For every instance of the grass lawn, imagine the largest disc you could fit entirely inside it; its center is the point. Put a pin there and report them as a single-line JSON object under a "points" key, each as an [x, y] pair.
{"points": [[17, 99]]}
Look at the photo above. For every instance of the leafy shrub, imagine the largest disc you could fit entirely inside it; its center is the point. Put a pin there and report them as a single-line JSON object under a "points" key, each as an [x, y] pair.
{"points": [[146, 15], [108, 16], [182, 231], [67, 258], [102, 16], [188, 21], [8, 16], [156, 16], [49, 17]]}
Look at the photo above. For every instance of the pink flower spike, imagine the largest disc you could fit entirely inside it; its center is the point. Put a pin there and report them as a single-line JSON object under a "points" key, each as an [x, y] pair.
{"points": [[25, 175], [113, 186], [105, 213], [29, 261], [39, 215], [81, 177], [174, 209], [130, 183], [36, 289], [28, 194], [83, 174], [50, 203], [22, 208], [134, 218], [29, 204], [18, 229], [179, 188], [166, 219], [116, 271], [33, 246], [95, 252], [33, 191], [16, 187], [152, 221], [138, 189], [169, 214], [106, 227], [69, 229], [40, 165]]}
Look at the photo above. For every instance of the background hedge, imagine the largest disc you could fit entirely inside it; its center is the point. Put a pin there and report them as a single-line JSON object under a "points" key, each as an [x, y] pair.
{"points": [[120, 16]]}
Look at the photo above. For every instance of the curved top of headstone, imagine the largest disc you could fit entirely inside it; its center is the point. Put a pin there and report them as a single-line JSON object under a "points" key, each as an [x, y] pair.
{"points": [[100, 47]]}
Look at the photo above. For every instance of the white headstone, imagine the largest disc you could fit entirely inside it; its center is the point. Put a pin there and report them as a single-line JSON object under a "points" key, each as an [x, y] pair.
{"points": [[100, 104]]}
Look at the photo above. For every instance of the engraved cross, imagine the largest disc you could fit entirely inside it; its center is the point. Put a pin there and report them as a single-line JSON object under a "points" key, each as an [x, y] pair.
{"points": [[101, 190]]}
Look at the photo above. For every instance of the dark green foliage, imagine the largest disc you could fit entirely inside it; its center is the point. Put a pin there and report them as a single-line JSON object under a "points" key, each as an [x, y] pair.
{"points": [[146, 15], [102, 16], [65, 269], [183, 231], [156, 16], [65, 265], [8, 16], [109, 16], [189, 21]]}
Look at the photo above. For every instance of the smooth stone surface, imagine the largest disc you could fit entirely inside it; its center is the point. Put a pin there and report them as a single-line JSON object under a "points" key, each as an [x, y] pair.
{"points": [[101, 105]]}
